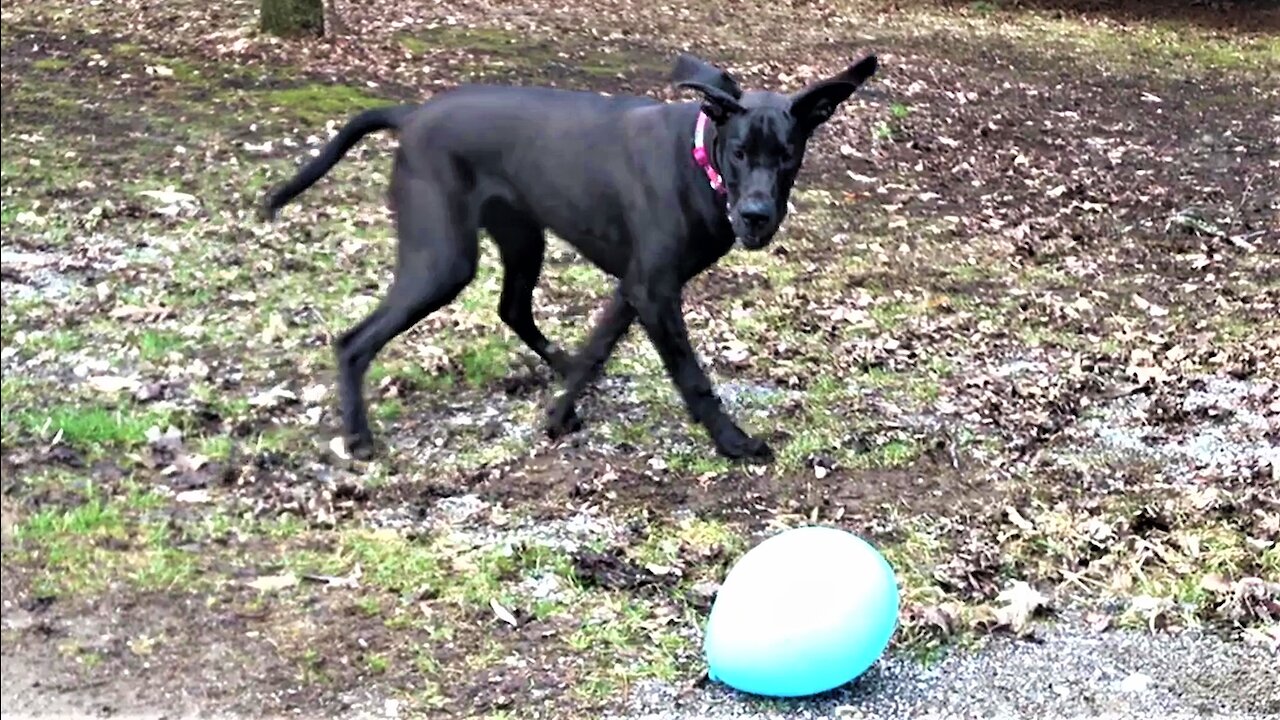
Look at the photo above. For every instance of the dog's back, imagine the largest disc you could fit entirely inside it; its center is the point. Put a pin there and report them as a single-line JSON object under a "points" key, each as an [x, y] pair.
{"points": [[568, 158], [473, 120]]}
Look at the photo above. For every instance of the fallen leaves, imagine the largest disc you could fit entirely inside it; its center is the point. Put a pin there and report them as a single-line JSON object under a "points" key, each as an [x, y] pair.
{"points": [[1149, 307], [145, 315], [273, 583], [1058, 278], [113, 384], [1267, 636], [1144, 369], [172, 203], [350, 581], [338, 447], [274, 397], [194, 497], [502, 613], [1249, 600], [1018, 605]]}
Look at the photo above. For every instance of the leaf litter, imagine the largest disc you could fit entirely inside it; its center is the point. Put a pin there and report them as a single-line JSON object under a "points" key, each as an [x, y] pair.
{"points": [[1063, 304]]}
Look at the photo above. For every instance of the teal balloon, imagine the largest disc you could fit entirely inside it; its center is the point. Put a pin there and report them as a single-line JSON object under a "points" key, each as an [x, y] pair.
{"points": [[803, 612]]}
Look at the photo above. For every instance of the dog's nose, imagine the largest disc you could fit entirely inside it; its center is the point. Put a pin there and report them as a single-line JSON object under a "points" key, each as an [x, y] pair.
{"points": [[755, 214]]}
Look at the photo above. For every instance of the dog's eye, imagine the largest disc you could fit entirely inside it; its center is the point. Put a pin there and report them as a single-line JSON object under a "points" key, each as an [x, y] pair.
{"points": [[739, 154]]}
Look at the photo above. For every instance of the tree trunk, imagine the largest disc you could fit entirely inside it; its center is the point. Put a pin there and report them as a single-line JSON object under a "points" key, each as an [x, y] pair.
{"points": [[293, 17]]}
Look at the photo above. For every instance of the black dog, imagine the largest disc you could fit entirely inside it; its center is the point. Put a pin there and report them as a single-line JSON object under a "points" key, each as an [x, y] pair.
{"points": [[652, 193]]}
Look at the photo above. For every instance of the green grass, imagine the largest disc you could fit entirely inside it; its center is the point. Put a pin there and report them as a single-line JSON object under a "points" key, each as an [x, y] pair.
{"points": [[621, 644], [391, 562], [317, 103], [217, 447], [388, 410], [81, 549], [50, 64], [890, 315], [377, 664], [413, 44], [531, 53], [165, 569], [668, 544], [696, 461], [486, 361], [982, 7], [369, 606], [156, 345], [89, 426], [892, 454], [94, 517], [9, 211], [813, 440]]}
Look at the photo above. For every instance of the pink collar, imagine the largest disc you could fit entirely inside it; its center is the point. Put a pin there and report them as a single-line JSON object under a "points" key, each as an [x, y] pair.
{"points": [[703, 157]]}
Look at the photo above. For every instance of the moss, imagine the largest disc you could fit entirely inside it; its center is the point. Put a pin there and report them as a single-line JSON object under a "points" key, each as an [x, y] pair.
{"points": [[292, 17], [487, 40], [413, 44], [531, 52], [318, 103], [50, 64]]}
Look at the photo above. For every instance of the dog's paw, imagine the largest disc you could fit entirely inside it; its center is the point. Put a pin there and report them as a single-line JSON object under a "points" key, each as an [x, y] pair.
{"points": [[738, 445], [562, 421]]}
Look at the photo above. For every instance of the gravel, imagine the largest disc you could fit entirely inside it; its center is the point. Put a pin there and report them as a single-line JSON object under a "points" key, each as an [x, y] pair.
{"points": [[1071, 672], [469, 519], [1233, 440]]}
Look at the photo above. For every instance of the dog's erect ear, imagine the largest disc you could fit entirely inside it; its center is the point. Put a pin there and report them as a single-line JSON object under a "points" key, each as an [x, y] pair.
{"points": [[815, 104], [720, 92]]}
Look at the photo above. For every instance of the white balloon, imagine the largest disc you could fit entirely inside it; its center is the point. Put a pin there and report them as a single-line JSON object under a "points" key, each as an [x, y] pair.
{"points": [[801, 613]]}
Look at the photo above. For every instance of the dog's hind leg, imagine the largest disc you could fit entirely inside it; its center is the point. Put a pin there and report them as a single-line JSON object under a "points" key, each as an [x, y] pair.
{"points": [[521, 244], [436, 259], [590, 361]]}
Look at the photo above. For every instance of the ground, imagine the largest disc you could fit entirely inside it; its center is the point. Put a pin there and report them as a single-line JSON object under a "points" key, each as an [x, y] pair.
{"points": [[1020, 332]]}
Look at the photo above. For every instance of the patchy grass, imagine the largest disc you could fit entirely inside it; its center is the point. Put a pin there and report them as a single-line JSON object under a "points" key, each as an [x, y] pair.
{"points": [[50, 64], [156, 345], [317, 103], [919, 346], [88, 426], [499, 52], [86, 548]]}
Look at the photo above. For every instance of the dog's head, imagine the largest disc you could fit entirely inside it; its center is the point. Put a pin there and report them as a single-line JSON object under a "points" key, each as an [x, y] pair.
{"points": [[760, 138]]}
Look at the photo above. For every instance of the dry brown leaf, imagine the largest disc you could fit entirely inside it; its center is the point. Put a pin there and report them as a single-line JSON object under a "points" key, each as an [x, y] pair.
{"points": [[274, 583], [113, 383], [502, 613], [1021, 603]]}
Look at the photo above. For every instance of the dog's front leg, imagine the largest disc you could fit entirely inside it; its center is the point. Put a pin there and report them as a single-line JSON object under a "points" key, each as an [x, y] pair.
{"points": [[659, 308], [586, 366]]}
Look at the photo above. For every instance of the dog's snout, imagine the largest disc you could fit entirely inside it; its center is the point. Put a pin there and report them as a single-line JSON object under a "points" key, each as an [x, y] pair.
{"points": [[755, 213]]}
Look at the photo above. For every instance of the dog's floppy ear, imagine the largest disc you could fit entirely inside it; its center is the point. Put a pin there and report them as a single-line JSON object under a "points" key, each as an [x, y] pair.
{"points": [[720, 92], [815, 104]]}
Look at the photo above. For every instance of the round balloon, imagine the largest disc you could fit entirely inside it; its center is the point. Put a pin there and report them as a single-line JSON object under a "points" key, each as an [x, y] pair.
{"points": [[803, 612]]}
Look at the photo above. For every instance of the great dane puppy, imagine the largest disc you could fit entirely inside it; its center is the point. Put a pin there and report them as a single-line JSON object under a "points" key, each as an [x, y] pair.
{"points": [[652, 193]]}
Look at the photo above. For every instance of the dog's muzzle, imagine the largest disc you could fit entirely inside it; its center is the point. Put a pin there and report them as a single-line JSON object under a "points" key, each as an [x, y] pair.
{"points": [[752, 243], [754, 225]]}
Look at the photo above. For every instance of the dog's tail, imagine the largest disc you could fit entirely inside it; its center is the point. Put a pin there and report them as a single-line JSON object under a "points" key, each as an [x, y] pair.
{"points": [[369, 121]]}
